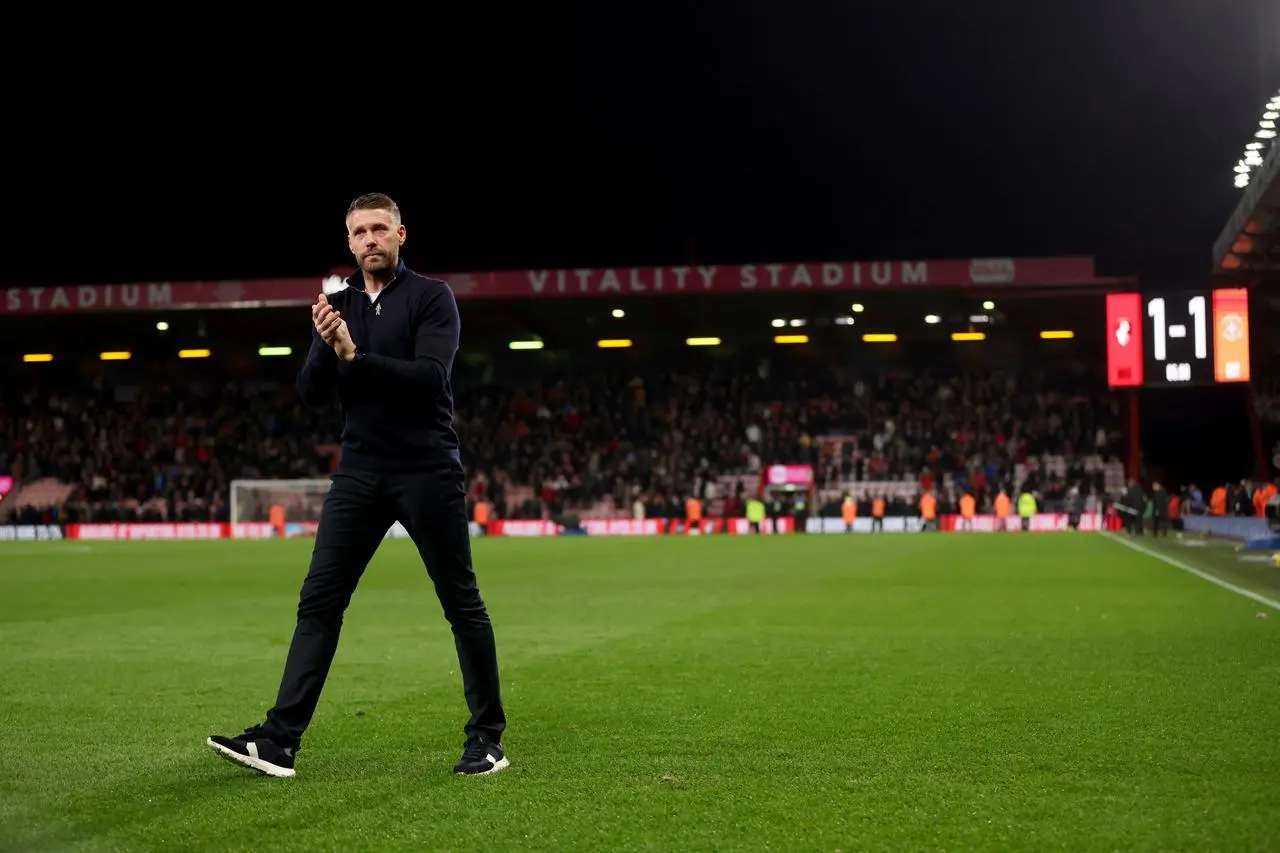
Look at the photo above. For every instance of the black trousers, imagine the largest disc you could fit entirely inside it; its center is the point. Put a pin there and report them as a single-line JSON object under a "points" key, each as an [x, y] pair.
{"points": [[358, 509]]}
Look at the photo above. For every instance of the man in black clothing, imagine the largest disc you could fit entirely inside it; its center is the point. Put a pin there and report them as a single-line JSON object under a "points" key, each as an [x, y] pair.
{"points": [[384, 347], [1135, 503], [1075, 507], [1159, 510]]}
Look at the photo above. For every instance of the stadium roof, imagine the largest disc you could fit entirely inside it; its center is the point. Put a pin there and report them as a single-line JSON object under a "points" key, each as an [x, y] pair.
{"points": [[577, 325], [1248, 248]]}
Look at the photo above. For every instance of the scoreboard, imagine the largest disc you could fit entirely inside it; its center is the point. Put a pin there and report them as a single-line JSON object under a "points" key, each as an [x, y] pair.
{"points": [[1158, 340]]}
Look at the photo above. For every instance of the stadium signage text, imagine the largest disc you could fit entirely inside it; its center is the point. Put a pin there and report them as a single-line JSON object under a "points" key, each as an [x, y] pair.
{"points": [[57, 300], [762, 278], [91, 298], [892, 524], [30, 533], [711, 279], [549, 284], [181, 530], [1045, 522]]}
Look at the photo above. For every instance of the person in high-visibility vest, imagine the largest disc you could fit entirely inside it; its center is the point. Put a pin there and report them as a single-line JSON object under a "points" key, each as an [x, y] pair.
{"points": [[968, 508], [1004, 506], [1218, 501], [482, 514], [929, 510], [755, 513], [1027, 508], [692, 515], [276, 515], [877, 514], [1262, 497], [849, 512]]}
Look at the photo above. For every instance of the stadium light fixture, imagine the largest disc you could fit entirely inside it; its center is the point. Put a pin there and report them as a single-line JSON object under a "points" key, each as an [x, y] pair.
{"points": [[162, 326], [878, 338], [858, 307], [979, 318], [1257, 147], [791, 339], [525, 345], [844, 321], [778, 323], [932, 319], [115, 356], [620, 343], [273, 352], [38, 357], [799, 324], [618, 313], [193, 353], [988, 306], [1060, 335], [702, 342]]}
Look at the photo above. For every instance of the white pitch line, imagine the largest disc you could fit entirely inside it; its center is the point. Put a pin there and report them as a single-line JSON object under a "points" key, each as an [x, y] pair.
{"points": [[1178, 564]]}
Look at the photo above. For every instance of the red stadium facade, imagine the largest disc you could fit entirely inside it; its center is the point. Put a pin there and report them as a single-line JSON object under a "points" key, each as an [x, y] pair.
{"points": [[609, 282]]}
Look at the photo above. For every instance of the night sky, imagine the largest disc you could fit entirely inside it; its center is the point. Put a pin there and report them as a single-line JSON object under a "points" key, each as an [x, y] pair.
{"points": [[787, 131]]}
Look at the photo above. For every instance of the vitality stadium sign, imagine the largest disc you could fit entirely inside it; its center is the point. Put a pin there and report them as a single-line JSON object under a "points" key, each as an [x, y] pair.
{"points": [[765, 278], [553, 284]]}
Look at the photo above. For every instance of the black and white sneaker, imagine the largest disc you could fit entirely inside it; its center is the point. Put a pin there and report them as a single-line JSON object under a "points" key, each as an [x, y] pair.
{"points": [[255, 751], [481, 757]]}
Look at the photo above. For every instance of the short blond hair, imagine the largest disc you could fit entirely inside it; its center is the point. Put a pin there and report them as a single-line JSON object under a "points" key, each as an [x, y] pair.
{"points": [[375, 201]]}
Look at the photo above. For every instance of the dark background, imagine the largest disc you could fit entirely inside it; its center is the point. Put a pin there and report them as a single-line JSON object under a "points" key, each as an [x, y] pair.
{"points": [[629, 133]]}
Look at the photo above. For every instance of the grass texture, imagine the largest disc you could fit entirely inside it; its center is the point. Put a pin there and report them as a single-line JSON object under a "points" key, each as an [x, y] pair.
{"points": [[1048, 692]]}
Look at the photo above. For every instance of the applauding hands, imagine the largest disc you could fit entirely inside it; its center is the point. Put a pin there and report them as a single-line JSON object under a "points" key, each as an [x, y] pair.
{"points": [[332, 328]]}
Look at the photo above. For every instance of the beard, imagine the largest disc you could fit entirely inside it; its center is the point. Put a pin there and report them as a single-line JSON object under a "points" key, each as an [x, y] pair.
{"points": [[377, 261]]}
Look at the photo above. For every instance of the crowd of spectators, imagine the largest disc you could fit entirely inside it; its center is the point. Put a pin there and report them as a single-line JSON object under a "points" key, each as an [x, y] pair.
{"points": [[154, 448], [1268, 403], [665, 435], [542, 438]]}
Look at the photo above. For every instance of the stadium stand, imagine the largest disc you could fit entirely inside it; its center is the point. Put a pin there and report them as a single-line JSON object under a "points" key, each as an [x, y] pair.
{"points": [[147, 448], [635, 439]]}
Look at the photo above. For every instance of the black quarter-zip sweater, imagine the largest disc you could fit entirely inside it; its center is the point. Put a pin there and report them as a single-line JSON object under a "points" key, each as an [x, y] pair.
{"points": [[396, 395]]}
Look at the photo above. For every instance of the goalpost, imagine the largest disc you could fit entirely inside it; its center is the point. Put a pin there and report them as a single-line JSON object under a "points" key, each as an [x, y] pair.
{"points": [[302, 500], [251, 500]]}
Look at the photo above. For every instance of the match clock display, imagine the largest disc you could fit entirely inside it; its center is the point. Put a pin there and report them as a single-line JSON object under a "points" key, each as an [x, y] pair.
{"points": [[1182, 338]]}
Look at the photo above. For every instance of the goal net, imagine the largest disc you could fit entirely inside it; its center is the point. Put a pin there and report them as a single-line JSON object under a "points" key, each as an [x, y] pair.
{"points": [[301, 500], [252, 500]]}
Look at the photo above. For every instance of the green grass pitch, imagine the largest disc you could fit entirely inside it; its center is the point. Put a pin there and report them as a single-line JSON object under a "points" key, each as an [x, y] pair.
{"points": [[924, 693]]}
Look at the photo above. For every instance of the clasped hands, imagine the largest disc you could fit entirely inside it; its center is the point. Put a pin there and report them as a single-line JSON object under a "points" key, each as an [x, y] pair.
{"points": [[333, 329]]}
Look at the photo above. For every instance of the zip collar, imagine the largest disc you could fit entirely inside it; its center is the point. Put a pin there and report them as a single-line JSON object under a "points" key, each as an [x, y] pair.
{"points": [[356, 279]]}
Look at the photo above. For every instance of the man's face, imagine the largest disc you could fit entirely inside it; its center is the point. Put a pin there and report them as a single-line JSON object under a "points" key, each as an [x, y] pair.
{"points": [[374, 238]]}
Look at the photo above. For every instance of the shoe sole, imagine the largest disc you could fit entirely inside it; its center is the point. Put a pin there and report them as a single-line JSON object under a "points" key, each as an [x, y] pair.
{"points": [[502, 764], [266, 768]]}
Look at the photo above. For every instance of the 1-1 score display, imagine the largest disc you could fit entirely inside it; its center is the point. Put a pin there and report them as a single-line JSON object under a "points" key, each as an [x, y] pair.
{"points": [[1172, 339]]}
